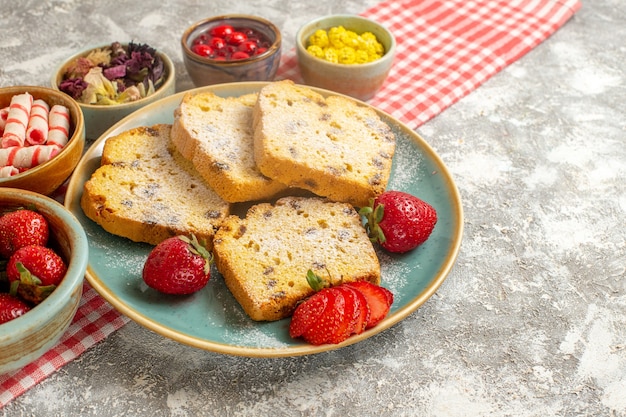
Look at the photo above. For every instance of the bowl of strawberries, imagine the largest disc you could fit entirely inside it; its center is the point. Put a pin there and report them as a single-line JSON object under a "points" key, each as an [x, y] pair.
{"points": [[43, 256]]}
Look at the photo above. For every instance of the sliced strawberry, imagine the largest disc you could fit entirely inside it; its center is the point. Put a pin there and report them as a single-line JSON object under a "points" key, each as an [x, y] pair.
{"points": [[378, 298], [362, 308], [328, 316], [322, 329], [353, 309], [332, 322], [333, 314], [308, 313], [346, 321], [389, 296]]}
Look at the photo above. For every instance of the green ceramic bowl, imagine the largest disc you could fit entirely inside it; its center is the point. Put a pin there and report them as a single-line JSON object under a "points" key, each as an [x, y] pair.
{"points": [[26, 338], [360, 81]]}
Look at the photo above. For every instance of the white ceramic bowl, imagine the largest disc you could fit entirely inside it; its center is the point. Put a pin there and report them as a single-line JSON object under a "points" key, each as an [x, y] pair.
{"points": [[360, 81], [98, 118], [26, 338]]}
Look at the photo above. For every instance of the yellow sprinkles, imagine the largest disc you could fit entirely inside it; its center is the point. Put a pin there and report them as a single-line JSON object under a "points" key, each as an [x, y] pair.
{"points": [[343, 46]]}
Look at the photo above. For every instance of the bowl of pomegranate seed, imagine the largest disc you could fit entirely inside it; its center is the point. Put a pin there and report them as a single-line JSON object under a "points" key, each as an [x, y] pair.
{"points": [[231, 48], [348, 54], [44, 255], [111, 81], [42, 137]]}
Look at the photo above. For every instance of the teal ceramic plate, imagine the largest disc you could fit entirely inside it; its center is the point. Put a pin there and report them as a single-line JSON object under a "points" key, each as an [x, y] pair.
{"points": [[211, 319]]}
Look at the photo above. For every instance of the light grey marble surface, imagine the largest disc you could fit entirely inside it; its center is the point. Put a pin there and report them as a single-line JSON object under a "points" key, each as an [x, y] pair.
{"points": [[530, 322]]}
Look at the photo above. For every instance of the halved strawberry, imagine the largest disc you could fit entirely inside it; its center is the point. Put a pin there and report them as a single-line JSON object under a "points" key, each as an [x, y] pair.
{"points": [[378, 298]]}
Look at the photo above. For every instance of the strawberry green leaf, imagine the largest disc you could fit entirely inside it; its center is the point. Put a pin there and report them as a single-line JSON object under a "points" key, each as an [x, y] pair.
{"points": [[315, 281], [199, 249]]}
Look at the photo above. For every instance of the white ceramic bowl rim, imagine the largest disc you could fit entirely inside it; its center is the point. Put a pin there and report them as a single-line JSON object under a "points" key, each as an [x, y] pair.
{"points": [[275, 47], [167, 63], [62, 293], [388, 53]]}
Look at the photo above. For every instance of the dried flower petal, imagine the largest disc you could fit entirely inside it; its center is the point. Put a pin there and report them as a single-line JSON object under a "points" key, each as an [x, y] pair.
{"points": [[73, 87], [113, 73], [100, 57], [78, 68]]}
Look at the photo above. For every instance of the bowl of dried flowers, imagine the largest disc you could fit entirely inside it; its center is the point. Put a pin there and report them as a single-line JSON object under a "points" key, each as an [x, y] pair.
{"points": [[111, 81]]}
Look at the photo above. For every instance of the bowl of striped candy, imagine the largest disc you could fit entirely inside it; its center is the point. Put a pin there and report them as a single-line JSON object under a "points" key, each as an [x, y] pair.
{"points": [[42, 137]]}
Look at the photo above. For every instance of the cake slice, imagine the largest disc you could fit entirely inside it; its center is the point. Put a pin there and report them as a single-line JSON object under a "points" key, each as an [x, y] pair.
{"points": [[332, 146], [146, 191], [264, 257], [215, 134]]}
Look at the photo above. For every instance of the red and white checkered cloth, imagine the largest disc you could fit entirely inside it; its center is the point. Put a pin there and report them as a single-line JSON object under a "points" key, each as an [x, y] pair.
{"points": [[95, 319], [445, 49]]}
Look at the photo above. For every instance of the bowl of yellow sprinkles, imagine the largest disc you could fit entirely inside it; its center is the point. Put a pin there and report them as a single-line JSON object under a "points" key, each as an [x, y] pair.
{"points": [[348, 54]]}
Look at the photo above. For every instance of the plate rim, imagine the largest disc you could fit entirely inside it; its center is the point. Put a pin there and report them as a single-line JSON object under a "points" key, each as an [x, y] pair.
{"points": [[74, 190]]}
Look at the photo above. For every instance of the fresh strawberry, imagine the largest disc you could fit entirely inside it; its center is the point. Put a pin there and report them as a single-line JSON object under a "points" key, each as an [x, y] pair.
{"points": [[21, 228], [35, 271], [11, 307], [178, 265], [323, 328], [308, 313], [399, 221], [378, 298], [333, 314]]}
